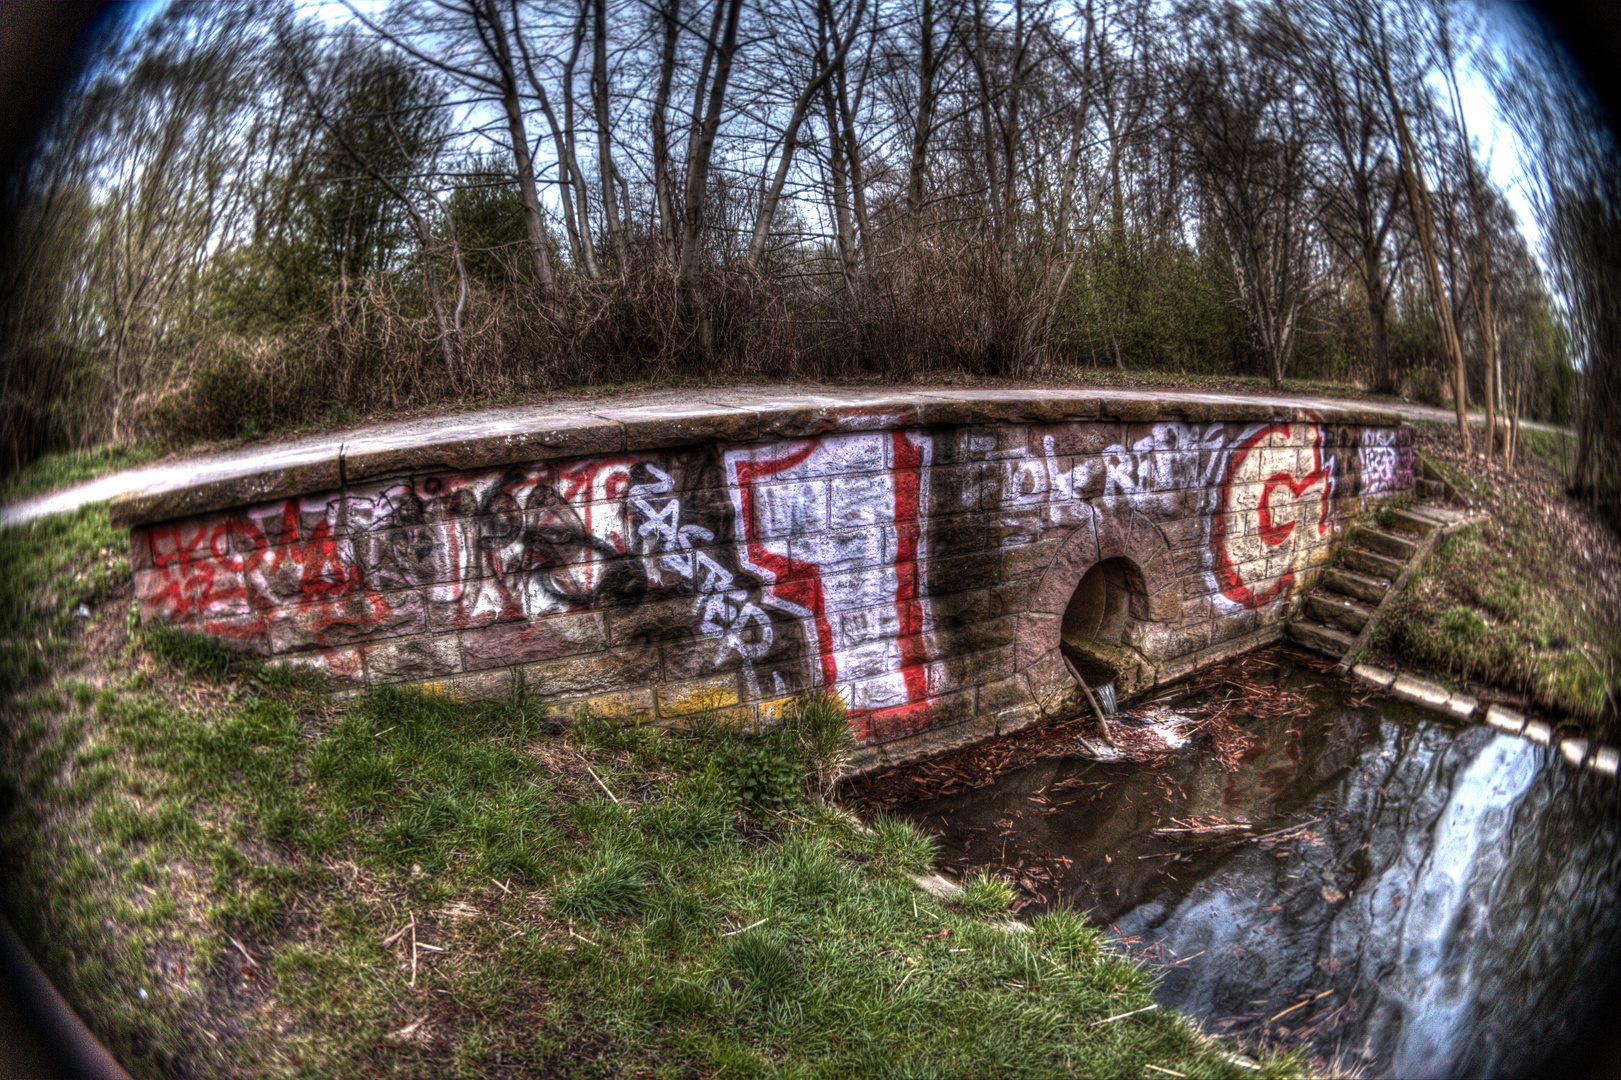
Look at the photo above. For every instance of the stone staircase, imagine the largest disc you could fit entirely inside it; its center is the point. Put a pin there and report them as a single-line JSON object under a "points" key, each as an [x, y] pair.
{"points": [[1339, 615]]}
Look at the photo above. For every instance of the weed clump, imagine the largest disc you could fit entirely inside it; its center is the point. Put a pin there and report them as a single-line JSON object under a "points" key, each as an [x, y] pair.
{"points": [[984, 893], [612, 883], [1463, 624]]}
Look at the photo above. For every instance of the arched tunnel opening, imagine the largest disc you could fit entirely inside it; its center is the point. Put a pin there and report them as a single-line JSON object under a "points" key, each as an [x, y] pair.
{"points": [[1109, 601]]}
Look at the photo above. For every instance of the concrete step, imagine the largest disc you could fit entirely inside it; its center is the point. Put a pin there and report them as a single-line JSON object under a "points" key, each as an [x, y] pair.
{"points": [[1369, 590], [1321, 637], [1418, 520], [1430, 489], [1373, 564], [1393, 544], [1336, 610]]}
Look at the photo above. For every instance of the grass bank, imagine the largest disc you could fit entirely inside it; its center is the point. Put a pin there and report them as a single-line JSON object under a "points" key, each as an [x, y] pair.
{"points": [[52, 472], [228, 871], [1528, 601]]}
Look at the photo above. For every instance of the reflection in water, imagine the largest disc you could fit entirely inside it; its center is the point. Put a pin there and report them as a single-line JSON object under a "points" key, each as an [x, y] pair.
{"points": [[1423, 899]]}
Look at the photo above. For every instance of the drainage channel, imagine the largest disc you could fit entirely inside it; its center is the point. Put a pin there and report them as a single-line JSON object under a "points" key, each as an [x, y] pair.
{"points": [[1399, 891]]}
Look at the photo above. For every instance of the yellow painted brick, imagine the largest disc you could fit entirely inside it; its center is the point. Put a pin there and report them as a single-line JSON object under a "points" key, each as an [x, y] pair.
{"points": [[742, 716], [633, 706], [445, 690], [773, 711], [717, 692]]}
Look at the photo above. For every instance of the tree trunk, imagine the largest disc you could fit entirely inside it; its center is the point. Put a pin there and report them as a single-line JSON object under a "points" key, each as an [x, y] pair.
{"points": [[769, 197], [570, 182], [663, 195], [587, 245], [605, 161], [1419, 202], [928, 64], [533, 219], [698, 156]]}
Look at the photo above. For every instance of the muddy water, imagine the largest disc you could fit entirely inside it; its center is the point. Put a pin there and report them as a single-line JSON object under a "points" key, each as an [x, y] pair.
{"points": [[1432, 900]]}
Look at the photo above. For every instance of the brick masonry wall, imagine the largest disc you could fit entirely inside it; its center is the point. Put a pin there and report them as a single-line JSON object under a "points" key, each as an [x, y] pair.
{"points": [[922, 571]]}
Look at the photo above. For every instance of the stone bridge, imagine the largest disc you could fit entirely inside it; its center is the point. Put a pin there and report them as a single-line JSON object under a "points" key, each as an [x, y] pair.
{"points": [[925, 554]]}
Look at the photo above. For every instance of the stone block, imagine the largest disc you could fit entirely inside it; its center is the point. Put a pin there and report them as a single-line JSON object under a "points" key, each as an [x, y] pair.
{"points": [[1504, 719], [526, 642], [813, 415], [1538, 732], [342, 668], [624, 668], [1020, 406], [1605, 760], [140, 550], [954, 609], [1161, 642], [411, 659], [1462, 706], [699, 659], [1573, 750], [652, 622], [290, 472], [1012, 692], [470, 605], [1013, 721], [627, 706], [347, 620], [887, 725], [697, 695], [1037, 635], [955, 489], [1031, 560], [838, 552], [1420, 692], [1378, 676], [1190, 533], [1074, 439], [799, 508], [654, 426], [1051, 684], [1013, 597], [971, 637], [965, 672], [470, 441], [953, 573]]}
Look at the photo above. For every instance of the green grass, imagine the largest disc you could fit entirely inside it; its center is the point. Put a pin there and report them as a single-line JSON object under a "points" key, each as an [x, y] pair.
{"points": [[227, 870], [71, 467], [48, 569], [1500, 602], [1556, 448]]}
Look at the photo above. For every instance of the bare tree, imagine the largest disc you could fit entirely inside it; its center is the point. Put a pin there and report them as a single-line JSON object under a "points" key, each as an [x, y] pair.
{"points": [[1245, 131], [1358, 189]]}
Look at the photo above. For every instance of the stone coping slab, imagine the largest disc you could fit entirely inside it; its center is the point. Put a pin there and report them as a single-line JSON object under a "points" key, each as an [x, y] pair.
{"points": [[1577, 751], [655, 420]]}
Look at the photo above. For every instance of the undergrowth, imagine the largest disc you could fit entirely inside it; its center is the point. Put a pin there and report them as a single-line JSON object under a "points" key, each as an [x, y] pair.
{"points": [[227, 870]]}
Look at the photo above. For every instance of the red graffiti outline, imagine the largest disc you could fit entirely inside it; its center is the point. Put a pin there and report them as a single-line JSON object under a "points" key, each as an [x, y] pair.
{"points": [[797, 582], [1227, 575], [907, 474]]}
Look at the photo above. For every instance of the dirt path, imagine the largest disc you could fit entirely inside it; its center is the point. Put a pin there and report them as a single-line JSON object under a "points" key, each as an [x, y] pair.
{"points": [[192, 468]]}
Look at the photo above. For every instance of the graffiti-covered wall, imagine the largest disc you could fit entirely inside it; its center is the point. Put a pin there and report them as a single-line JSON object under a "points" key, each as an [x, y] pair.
{"points": [[923, 571]]}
